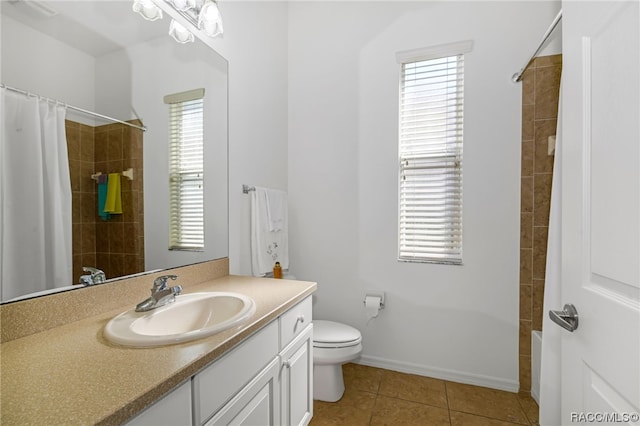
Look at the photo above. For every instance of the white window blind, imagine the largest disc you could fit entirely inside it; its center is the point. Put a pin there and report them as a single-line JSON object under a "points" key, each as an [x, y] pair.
{"points": [[430, 156], [186, 170]]}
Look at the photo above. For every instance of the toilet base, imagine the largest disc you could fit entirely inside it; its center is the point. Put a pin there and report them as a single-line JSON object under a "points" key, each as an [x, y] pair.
{"points": [[328, 384]]}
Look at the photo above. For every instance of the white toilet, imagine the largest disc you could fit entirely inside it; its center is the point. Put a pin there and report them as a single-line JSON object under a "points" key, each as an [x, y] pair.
{"points": [[334, 344]]}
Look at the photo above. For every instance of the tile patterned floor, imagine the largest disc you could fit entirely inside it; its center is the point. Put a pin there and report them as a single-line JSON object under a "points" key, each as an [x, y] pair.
{"points": [[376, 397]]}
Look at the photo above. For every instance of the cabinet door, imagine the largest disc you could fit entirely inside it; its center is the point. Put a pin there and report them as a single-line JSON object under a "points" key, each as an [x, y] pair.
{"points": [[296, 380], [220, 381], [172, 410], [257, 404]]}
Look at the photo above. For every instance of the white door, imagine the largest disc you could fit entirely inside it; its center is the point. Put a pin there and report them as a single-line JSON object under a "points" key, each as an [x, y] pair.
{"points": [[601, 211]]}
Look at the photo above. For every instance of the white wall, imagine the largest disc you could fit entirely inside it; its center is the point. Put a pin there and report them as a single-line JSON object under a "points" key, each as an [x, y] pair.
{"points": [[42, 65], [455, 322], [255, 44]]}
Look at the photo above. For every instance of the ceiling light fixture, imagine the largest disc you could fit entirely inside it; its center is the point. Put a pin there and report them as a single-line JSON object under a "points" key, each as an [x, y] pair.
{"points": [[202, 14]]}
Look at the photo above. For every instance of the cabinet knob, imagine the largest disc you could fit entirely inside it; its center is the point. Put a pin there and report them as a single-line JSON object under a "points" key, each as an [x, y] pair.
{"points": [[301, 318], [287, 363]]}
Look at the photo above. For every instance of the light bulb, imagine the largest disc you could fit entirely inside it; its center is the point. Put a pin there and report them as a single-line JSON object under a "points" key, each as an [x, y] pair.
{"points": [[209, 19], [147, 9], [180, 33]]}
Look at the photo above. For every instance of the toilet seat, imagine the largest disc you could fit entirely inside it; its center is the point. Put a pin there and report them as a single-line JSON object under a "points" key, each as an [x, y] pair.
{"points": [[330, 334]]}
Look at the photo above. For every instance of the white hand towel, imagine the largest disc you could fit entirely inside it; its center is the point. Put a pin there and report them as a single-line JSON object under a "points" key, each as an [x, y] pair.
{"points": [[267, 247], [276, 208]]}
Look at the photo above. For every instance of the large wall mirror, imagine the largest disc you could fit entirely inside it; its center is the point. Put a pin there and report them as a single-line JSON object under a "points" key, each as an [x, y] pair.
{"points": [[102, 57]]}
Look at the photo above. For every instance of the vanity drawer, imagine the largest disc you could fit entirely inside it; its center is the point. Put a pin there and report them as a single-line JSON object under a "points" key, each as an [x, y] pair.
{"points": [[173, 409], [294, 321], [218, 383]]}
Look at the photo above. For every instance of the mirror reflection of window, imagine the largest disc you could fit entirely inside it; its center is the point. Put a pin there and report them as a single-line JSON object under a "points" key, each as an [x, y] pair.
{"points": [[186, 170]]}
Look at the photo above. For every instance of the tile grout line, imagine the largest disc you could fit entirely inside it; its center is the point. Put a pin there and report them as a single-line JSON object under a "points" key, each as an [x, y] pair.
{"points": [[375, 402], [377, 393], [446, 394], [494, 418], [531, 422]]}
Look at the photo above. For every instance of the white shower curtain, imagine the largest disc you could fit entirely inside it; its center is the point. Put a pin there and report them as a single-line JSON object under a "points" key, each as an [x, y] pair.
{"points": [[35, 194], [550, 384]]}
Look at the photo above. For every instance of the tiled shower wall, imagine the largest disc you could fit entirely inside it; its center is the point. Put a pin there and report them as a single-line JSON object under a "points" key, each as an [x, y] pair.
{"points": [[540, 95], [81, 152], [117, 245]]}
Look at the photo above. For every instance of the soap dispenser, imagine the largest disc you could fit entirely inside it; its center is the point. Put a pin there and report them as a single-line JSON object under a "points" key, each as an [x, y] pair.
{"points": [[277, 270]]}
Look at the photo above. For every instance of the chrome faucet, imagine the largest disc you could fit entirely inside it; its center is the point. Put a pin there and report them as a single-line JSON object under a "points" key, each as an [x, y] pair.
{"points": [[161, 294], [94, 276]]}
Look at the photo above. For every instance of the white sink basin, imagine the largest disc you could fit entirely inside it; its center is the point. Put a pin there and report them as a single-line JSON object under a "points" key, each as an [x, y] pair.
{"points": [[190, 317]]}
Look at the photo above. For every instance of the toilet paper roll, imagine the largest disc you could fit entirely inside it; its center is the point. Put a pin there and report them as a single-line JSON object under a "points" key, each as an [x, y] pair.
{"points": [[372, 306]]}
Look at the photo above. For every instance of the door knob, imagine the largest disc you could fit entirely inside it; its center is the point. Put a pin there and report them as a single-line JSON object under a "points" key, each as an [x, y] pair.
{"points": [[567, 318]]}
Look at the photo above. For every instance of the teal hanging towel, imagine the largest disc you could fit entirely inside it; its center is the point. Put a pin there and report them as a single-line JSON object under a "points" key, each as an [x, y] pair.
{"points": [[102, 197]]}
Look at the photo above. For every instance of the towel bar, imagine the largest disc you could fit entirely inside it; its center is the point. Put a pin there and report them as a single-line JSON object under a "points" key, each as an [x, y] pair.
{"points": [[126, 173], [247, 188]]}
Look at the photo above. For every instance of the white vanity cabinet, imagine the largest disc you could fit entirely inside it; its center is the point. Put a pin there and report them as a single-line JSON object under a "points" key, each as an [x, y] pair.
{"points": [[172, 409], [266, 380], [296, 355]]}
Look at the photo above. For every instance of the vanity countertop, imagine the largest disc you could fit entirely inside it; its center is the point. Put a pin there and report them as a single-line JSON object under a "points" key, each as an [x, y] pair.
{"points": [[72, 375]]}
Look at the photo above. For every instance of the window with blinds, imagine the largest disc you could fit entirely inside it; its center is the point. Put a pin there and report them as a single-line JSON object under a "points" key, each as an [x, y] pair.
{"points": [[186, 170], [430, 154]]}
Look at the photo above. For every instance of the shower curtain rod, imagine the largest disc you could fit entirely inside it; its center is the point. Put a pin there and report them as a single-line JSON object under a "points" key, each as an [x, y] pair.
{"points": [[95, 114], [518, 76]]}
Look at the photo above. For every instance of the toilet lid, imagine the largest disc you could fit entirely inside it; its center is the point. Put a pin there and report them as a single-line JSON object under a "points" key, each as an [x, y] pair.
{"points": [[334, 334]]}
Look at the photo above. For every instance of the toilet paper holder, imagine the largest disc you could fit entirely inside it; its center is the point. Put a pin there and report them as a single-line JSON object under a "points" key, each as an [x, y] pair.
{"points": [[372, 293]]}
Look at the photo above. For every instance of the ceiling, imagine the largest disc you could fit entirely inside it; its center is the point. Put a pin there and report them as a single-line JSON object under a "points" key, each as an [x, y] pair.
{"points": [[94, 27]]}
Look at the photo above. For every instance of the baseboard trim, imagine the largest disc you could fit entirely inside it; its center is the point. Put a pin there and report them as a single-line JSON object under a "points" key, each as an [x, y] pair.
{"points": [[440, 373], [535, 396]]}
